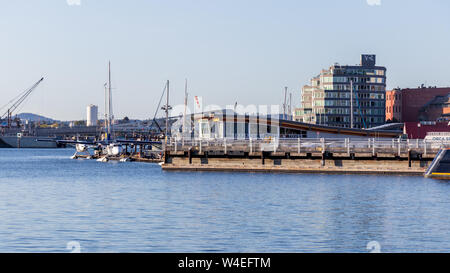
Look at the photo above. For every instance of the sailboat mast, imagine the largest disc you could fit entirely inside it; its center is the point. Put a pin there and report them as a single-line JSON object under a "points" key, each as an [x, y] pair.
{"points": [[106, 107], [284, 104], [290, 104], [167, 111], [109, 100], [185, 106]]}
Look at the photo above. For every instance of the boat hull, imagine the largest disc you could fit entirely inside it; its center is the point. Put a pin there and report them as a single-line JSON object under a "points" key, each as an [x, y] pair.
{"points": [[24, 142], [440, 167]]}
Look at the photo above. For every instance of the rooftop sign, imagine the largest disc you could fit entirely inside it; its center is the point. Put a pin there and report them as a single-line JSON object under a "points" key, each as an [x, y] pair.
{"points": [[368, 60]]}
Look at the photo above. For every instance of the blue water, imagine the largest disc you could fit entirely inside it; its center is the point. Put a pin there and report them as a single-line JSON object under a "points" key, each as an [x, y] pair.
{"points": [[48, 200]]}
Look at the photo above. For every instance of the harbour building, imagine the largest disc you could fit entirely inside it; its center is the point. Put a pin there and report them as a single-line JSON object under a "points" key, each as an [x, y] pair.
{"points": [[336, 92], [417, 104], [227, 124]]}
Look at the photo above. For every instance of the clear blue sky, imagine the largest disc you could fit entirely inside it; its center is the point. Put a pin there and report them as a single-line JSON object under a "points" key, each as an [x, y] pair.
{"points": [[230, 50]]}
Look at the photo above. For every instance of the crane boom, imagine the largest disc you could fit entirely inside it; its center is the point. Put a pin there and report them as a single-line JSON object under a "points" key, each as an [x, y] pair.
{"points": [[18, 102]]}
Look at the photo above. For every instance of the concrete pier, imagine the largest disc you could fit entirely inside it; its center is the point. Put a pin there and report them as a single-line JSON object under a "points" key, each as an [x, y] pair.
{"points": [[348, 156]]}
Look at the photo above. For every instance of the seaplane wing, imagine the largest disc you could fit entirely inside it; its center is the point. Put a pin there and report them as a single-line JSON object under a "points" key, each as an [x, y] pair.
{"points": [[138, 142], [67, 141], [76, 142]]}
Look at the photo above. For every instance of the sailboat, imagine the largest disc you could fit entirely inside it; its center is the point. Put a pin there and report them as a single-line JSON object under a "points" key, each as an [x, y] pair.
{"points": [[111, 147]]}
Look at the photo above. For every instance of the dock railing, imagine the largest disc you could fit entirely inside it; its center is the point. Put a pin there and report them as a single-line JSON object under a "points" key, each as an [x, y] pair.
{"points": [[308, 145]]}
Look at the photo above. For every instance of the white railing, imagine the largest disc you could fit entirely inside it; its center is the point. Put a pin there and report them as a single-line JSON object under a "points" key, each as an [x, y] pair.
{"points": [[303, 145]]}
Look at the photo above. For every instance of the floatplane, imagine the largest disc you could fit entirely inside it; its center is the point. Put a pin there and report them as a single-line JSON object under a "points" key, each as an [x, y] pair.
{"points": [[108, 147], [104, 149]]}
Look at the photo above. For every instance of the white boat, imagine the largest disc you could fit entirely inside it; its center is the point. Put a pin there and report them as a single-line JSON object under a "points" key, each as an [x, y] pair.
{"points": [[114, 149], [24, 142], [103, 159]]}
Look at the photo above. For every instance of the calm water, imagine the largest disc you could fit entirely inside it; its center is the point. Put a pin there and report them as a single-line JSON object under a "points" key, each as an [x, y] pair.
{"points": [[47, 200]]}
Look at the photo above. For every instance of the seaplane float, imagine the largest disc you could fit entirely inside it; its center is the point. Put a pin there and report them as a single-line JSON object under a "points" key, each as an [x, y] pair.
{"points": [[103, 150]]}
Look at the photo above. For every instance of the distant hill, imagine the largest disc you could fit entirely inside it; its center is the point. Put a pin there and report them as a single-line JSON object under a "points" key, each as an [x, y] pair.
{"points": [[34, 117]]}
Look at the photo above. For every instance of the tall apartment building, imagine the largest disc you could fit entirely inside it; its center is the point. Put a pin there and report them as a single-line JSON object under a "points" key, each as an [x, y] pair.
{"points": [[327, 100]]}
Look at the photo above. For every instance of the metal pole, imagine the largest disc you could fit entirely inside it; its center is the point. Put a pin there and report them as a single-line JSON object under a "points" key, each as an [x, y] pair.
{"points": [[290, 104], [167, 112], [348, 146], [425, 147], [185, 108], [109, 100], [284, 105], [373, 146], [351, 104]]}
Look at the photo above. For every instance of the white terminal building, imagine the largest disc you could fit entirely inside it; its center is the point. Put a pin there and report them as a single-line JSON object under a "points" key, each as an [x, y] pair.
{"points": [[92, 115]]}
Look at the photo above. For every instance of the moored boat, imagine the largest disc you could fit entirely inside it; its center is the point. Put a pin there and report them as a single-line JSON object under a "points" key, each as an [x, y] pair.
{"points": [[440, 167], [25, 142]]}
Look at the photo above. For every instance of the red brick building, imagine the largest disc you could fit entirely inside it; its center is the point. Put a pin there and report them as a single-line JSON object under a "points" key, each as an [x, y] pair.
{"points": [[394, 105], [406, 105], [437, 109]]}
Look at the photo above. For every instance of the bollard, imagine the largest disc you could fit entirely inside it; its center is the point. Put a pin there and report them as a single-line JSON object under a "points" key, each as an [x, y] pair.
{"points": [[299, 145], [251, 146], [409, 158]]}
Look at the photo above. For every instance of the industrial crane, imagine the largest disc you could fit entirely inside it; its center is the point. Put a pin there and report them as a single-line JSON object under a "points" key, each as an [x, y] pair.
{"points": [[20, 99]]}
